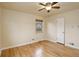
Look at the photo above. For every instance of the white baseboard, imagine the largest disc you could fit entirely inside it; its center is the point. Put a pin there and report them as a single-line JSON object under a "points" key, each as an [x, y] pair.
{"points": [[74, 47], [20, 44], [33, 42], [71, 46], [52, 40]]}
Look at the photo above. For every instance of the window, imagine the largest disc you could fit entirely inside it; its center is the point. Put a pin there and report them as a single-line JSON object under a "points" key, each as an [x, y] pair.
{"points": [[39, 25]]}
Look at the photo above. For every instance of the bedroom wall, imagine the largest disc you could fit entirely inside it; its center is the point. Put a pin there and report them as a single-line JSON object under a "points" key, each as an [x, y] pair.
{"points": [[71, 27], [19, 28]]}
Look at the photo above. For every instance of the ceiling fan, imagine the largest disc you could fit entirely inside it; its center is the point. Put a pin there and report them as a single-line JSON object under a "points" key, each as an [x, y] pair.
{"points": [[48, 6]]}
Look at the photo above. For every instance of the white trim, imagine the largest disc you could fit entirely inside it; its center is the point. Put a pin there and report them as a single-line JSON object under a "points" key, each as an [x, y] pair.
{"points": [[65, 44], [72, 46], [34, 42], [52, 40], [20, 44]]}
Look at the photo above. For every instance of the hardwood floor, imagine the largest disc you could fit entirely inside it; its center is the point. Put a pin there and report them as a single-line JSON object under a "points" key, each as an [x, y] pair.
{"points": [[41, 49]]}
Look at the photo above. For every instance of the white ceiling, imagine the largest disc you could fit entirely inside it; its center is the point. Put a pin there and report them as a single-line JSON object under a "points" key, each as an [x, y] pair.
{"points": [[33, 7]]}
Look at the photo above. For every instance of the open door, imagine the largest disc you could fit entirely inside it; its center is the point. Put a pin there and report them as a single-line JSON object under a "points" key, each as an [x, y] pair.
{"points": [[60, 30]]}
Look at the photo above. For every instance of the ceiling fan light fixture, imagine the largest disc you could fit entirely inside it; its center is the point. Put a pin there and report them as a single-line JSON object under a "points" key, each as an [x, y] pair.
{"points": [[49, 5], [48, 8]]}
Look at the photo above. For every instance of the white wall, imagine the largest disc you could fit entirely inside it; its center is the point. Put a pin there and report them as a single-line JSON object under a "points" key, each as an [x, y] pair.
{"points": [[71, 27], [18, 28]]}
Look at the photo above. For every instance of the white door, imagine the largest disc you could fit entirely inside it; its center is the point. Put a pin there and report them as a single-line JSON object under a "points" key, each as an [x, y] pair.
{"points": [[60, 30]]}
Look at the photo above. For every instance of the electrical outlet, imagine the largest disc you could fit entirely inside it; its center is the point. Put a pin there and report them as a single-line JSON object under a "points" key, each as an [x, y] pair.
{"points": [[71, 43]]}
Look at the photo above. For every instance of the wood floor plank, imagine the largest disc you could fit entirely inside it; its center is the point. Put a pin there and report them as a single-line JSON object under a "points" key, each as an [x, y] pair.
{"points": [[41, 49]]}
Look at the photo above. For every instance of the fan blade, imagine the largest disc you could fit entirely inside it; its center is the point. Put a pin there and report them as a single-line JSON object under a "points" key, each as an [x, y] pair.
{"points": [[42, 4], [56, 7], [41, 9], [53, 3]]}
